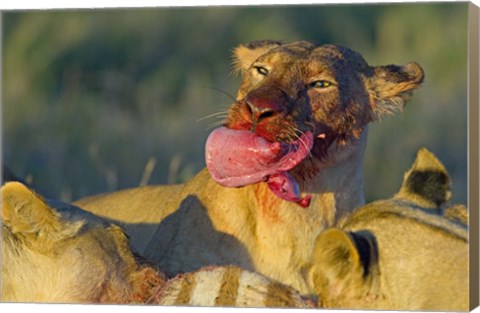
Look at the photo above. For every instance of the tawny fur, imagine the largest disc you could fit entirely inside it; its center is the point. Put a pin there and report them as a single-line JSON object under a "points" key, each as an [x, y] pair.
{"points": [[398, 254], [56, 253], [66, 255], [185, 227], [391, 254]]}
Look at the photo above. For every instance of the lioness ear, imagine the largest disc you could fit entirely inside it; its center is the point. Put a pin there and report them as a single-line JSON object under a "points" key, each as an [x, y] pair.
{"points": [[427, 183], [341, 262], [335, 262], [391, 86], [245, 55], [25, 212]]}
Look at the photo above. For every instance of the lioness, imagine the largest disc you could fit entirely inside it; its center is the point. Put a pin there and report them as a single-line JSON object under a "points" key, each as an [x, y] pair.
{"points": [[405, 253], [66, 255], [292, 145], [54, 252]]}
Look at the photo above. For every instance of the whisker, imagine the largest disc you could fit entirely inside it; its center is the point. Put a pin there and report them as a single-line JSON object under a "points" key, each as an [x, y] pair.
{"points": [[302, 142], [312, 125], [214, 125], [221, 114], [295, 133], [298, 134], [223, 92]]}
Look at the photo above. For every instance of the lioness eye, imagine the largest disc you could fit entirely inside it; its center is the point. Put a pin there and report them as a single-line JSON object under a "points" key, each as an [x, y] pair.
{"points": [[261, 70], [320, 84]]}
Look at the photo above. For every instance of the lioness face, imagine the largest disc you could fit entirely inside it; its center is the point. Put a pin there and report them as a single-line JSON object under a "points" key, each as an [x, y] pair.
{"points": [[289, 89]]}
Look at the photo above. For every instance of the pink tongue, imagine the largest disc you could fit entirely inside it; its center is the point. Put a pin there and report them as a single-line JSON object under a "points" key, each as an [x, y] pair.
{"points": [[237, 158]]}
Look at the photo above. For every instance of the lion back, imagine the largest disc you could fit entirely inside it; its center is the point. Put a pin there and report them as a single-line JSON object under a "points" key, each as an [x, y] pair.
{"points": [[409, 252]]}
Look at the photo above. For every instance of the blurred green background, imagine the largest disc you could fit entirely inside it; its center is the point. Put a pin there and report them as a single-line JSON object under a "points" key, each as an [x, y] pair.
{"points": [[90, 96]]}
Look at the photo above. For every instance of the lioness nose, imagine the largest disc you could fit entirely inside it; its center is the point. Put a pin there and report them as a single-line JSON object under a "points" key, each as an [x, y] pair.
{"points": [[265, 103], [259, 113]]}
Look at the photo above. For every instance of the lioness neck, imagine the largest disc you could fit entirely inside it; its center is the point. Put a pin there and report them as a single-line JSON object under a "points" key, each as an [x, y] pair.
{"points": [[284, 230], [336, 181]]}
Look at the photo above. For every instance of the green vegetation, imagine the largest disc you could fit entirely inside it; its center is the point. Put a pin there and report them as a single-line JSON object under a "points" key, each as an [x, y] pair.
{"points": [[90, 96]]}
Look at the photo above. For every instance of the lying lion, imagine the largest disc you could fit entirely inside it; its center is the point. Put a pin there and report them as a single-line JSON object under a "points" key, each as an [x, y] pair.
{"points": [[398, 254], [66, 255], [286, 164]]}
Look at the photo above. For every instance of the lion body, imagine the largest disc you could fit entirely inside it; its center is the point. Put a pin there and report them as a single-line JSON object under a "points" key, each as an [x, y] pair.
{"points": [[287, 90], [66, 255], [404, 253], [53, 252]]}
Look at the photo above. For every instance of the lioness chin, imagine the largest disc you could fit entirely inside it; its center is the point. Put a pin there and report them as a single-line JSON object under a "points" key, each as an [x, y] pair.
{"points": [[286, 164]]}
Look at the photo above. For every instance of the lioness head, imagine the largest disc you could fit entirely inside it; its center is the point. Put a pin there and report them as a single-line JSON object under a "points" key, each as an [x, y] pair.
{"points": [[329, 90], [298, 100], [66, 255]]}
